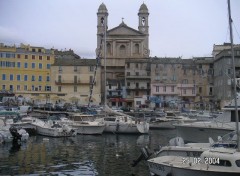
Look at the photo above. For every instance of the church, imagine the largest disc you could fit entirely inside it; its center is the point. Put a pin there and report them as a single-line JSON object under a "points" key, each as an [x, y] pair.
{"points": [[123, 46]]}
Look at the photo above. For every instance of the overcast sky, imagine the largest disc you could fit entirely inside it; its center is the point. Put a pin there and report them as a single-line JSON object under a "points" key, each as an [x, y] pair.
{"points": [[186, 28]]}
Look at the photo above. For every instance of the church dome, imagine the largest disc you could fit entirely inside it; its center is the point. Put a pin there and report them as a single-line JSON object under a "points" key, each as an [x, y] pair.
{"points": [[143, 8], [102, 8]]}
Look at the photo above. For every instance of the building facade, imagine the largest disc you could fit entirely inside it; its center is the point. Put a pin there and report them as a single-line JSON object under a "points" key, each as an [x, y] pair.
{"points": [[25, 70], [72, 80], [122, 42]]}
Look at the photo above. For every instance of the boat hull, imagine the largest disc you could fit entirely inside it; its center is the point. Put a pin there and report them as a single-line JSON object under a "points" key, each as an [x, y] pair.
{"points": [[89, 129], [165, 170], [200, 134], [112, 127]]}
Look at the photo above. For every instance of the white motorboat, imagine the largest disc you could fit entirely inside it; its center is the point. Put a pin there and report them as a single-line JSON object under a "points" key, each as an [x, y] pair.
{"points": [[200, 115], [125, 124], [122, 123], [169, 120], [213, 162], [53, 129], [84, 123], [202, 130]]}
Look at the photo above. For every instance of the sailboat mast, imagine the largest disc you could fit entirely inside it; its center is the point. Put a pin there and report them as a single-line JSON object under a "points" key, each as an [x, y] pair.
{"points": [[234, 76], [105, 52]]}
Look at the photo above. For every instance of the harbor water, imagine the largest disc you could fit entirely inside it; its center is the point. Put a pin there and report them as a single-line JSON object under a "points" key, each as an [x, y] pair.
{"points": [[87, 155]]}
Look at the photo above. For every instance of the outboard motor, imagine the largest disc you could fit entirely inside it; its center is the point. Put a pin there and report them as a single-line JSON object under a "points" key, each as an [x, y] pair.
{"points": [[145, 154], [14, 132]]}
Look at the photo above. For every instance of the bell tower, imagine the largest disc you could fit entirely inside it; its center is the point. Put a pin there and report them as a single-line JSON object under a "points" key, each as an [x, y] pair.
{"points": [[102, 18], [143, 25]]}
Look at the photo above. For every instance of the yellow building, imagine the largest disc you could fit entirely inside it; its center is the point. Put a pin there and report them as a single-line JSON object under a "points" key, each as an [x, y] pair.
{"points": [[72, 79], [25, 70]]}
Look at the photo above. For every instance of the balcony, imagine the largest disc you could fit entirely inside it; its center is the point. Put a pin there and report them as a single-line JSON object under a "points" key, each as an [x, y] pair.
{"points": [[138, 88], [114, 96], [72, 82], [138, 76]]}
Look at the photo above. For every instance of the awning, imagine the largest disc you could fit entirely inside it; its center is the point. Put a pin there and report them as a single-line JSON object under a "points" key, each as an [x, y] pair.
{"points": [[117, 99]]}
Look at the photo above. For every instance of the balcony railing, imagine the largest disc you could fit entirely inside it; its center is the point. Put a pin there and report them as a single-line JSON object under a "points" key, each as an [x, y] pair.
{"points": [[72, 82]]}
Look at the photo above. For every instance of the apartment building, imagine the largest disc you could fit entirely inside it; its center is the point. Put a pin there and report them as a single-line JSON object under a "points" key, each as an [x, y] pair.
{"points": [[137, 80], [25, 70], [72, 79]]}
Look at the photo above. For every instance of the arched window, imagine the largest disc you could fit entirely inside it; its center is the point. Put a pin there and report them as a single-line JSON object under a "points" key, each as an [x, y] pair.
{"points": [[143, 21], [136, 49], [108, 48], [122, 50]]}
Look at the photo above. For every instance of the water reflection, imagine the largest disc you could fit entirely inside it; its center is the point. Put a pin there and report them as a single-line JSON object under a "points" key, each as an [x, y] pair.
{"points": [[106, 154]]}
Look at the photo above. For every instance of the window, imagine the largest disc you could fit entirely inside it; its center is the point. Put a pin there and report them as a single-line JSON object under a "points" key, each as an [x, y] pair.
{"points": [[90, 79], [25, 65], [40, 58], [3, 87], [172, 88], [136, 65], [157, 88], [39, 78], [60, 68], [59, 78], [25, 77], [91, 68], [48, 66], [25, 87], [11, 77], [128, 73], [128, 84], [128, 65], [108, 48], [59, 88], [33, 87], [11, 87], [122, 50], [47, 88], [109, 86], [39, 88], [18, 77], [40, 65], [33, 50], [184, 91], [137, 93], [48, 78], [18, 56], [3, 77], [75, 89], [19, 64], [33, 56], [200, 89], [74, 69], [18, 87], [75, 79], [164, 88], [136, 48], [39, 50], [193, 91], [137, 73], [26, 57], [138, 102], [48, 57], [33, 78], [33, 65], [185, 81], [137, 85], [185, 71]]}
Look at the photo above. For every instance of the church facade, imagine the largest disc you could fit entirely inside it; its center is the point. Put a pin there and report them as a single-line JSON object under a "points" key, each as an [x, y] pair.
{"points": [[120, 43]]}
